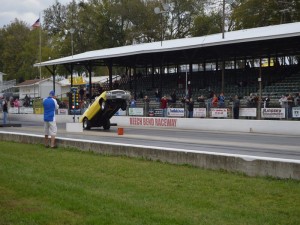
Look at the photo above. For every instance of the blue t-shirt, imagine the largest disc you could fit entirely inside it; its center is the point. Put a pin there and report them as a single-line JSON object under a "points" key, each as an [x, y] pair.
{"points": [[50, 105]]}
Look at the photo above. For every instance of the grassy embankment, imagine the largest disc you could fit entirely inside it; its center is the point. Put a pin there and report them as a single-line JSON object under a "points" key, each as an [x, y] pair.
{"points": [[65, 186]]}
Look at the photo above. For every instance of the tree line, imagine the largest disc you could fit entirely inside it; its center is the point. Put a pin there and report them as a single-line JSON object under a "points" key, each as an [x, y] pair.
{"points": [[100, 24]]}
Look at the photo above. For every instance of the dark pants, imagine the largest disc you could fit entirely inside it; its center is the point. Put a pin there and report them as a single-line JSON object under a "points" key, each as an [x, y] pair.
{"points": [[236, 112]]}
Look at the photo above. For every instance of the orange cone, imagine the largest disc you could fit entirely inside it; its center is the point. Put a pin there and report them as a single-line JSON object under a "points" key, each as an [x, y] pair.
{"points": [[120, 131]]}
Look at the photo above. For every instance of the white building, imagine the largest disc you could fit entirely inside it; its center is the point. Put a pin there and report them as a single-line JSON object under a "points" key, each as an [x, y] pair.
{"points": [[38, 88], [1, 77]]}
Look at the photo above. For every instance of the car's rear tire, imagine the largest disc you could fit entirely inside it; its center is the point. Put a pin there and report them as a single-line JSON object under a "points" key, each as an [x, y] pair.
{"points": [[124, 106], [106, 125], [86, 124]]}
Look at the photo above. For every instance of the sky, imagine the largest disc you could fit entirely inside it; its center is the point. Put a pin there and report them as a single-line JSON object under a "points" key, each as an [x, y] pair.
{"points": [[24, 10]]}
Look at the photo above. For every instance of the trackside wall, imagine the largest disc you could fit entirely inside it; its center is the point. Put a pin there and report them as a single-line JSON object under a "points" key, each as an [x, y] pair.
{"points": [[252, 166], [219, 125]]}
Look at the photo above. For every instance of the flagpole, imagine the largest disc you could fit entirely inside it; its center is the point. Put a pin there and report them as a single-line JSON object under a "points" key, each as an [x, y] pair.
{"points": [[40, 46]]}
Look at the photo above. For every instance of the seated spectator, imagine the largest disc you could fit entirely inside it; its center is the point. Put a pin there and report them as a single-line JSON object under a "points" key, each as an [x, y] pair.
{"points": [[221, 100], [132, 103], [201, 101], [214, 101]]}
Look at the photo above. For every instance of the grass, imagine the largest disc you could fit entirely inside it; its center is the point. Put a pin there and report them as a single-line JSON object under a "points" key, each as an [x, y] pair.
{"points": [[66, 186]]}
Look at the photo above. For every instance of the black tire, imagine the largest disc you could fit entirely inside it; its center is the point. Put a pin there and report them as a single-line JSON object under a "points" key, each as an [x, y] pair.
{"points": [[124, 106], [86, 124], [106, 125]]}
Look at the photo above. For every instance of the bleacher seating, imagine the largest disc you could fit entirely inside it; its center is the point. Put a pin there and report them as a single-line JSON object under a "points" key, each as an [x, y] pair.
{"points": [[241, 82]]}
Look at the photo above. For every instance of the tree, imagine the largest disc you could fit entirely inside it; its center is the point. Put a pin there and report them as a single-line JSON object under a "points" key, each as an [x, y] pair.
{"points": [[14, 51], [256, 13], [205, 25]]}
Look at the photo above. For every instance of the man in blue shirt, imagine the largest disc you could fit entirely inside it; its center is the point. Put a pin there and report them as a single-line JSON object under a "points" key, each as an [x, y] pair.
{"points": [[50, 105]]}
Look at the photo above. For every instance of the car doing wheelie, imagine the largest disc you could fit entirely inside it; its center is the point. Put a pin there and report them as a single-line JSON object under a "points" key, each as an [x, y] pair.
{"points": [[103, 108]]}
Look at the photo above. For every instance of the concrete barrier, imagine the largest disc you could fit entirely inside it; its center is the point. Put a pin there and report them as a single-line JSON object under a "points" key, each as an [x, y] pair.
{"points": [[252, 166], [218, 125]]}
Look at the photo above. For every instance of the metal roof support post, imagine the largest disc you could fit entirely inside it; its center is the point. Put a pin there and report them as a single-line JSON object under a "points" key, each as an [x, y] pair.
{"points": [[110, 74], [223, 74], [191, 76], [53, 78], [260, 92], [53, 74], [135, 82], [152, 75], [160, 79], [71, 71], [89, 69], [130, 78]]}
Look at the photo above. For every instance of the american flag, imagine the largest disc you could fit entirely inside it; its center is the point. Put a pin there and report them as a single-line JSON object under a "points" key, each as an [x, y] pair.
{"points": [[36, 24]]}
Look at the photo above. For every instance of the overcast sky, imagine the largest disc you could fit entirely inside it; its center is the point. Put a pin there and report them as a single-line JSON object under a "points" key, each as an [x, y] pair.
{"points": [[24, 10]]}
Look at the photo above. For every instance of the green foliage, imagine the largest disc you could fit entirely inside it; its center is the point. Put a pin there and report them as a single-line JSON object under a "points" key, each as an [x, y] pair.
{"points": [[101, 24], [205, 25], [256, 13], [44, 186]]}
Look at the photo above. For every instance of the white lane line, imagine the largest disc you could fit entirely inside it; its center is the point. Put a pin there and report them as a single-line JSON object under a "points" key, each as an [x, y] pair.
{"points": [[244, 157]]}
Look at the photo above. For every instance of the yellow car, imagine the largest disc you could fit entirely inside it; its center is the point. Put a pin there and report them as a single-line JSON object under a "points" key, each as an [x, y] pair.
{"points": [[103, 108]]}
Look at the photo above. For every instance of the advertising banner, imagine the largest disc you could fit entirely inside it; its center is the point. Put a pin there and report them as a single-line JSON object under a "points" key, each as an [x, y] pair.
{"points": [[26, 110], [158, 112], [62, 111], [13, 110], [199, 112], [219, 112], [296, 112], [136, 111], [248, 112], [278, 113], [175, 112]]}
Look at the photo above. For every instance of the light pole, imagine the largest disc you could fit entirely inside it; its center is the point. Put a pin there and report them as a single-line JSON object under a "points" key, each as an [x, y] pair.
{"points": [[72, 30], [157, 10], [223, 20]]}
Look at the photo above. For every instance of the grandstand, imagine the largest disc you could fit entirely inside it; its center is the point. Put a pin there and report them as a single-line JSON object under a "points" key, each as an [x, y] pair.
{"points": [[277, 81], [232, 64]]}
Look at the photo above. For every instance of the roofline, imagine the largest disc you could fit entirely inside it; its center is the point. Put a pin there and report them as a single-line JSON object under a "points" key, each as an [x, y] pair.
{"points": [[247, 35]]}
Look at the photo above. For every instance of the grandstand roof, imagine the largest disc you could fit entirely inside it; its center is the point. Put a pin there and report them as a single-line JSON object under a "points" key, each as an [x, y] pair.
{"points": [[276, 40]]}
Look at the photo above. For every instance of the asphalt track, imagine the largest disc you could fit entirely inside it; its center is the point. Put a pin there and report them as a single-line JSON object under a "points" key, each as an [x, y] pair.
{"points": [[246, 144]]}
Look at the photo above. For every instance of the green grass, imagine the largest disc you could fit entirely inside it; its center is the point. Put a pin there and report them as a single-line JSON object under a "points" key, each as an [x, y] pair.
{"points": [[65, 186]]}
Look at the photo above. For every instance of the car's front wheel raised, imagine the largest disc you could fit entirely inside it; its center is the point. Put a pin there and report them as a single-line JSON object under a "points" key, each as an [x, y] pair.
{"points": [[86, 124]]}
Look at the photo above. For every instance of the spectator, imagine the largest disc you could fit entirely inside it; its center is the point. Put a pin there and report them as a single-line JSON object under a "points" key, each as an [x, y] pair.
{"points": [[290, 101], [81, 93], [5, 110], [283, 103], [146, 105], [236, 107], [221, 100], [252, 100], [214, 101], [116, 84], [17, 104], [50, 105], [157, 95], [201, 101], [267, 102], [164, 105], [132, 103], [190, 104], [26, 101], [173, 98]]}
